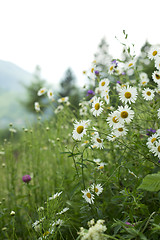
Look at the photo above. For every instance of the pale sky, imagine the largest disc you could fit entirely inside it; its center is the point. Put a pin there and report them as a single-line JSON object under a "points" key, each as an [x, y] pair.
{"points": [[57, 34]]}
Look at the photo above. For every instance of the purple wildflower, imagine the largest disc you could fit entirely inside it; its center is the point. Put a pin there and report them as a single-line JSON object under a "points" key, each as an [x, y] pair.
{"points": [[96, 72], [90, 92], [115, 63], [119, 82], [151, 130], [26, 178], [123, 73]]}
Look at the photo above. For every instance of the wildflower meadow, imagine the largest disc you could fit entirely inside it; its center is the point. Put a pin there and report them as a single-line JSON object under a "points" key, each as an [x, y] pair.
{"points": [[91, 173]]}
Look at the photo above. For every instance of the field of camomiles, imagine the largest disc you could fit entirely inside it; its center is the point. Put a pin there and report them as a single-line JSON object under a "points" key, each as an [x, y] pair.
{"points": [[90, 174]]}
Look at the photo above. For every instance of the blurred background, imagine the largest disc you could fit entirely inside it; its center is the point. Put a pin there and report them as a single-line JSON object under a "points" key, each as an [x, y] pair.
{"points": [[50, 43]]}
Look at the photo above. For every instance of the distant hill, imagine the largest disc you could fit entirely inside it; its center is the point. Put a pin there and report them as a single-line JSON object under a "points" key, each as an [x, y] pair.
{"points": [[11, 91]]}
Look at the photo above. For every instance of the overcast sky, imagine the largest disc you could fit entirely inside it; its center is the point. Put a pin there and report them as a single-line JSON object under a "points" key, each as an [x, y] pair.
{"points": [[57, 34]]}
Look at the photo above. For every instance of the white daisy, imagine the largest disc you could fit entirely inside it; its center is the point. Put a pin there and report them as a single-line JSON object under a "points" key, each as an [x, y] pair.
{"points": [[105, 95], [148, 94], [130, 64], [63, 99], [96, 107], [97, 141], [97, 161], [111, 137], [128, 94], [58, 109], [113, 119], [88, 196], [37, 106], [121, 131], [125, 114], [80, 129], [50, 94], [152, 140], [104, 83], [97, 189], [101, 166], [154, 52], [106, 98], [157, 63], [156, 76], [42, 91], [143, 78], [55, 196], [156, 149]]}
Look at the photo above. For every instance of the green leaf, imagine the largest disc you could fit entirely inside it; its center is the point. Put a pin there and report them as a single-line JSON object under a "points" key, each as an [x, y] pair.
{"points": [[151, 182]]}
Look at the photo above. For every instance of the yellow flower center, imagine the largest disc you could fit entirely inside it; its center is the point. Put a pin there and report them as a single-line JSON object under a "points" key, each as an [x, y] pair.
{"points": [[148, 93], [101, 167], [157, 76], [103, 83], [127, 94], [124, 114], [80, 129], [63, 99], [131, 64], [50, 94], [42, 91], [88, 195], [97, 106], [86, 141], [92, 69], [84, 72], [144, 82], [99, 140], [158, 148], [154, 53], [120, 129], [111, 68], [153, 140], [114, 119], [96, 189]]}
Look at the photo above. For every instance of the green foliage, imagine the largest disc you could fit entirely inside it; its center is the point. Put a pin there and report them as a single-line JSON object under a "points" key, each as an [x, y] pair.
{"points": [[151, 182]]}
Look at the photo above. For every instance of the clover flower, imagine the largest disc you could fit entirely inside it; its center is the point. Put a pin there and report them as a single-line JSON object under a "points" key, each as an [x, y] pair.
{"points": [[26, 178]]}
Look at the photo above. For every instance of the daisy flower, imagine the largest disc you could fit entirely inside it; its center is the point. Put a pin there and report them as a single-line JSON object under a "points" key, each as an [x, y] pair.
{"points": [[80, 129], [130, 64], [128, 94], [50, 94], [97, 161], [157, 63], [121, 131], [58, 109], [63, 99], [111, 137], [113, 119], [101, 166], [106, 98], [143, 78], [88, 196], [97, 141], [96, 107], [148, 94], [55, 196], [125, 114], [42, 91], [37, 106], [156, 76], [156, 149], [152, 140], [97, 189], [154, 52], [104, 83]]}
